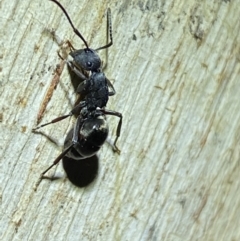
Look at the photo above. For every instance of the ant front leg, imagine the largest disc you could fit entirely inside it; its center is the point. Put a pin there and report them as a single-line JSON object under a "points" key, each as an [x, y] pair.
{"points": [[110, 112]]}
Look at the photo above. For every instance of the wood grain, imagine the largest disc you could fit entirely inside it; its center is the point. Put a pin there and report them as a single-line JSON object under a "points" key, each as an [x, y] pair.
{"points": [[175, 66]]}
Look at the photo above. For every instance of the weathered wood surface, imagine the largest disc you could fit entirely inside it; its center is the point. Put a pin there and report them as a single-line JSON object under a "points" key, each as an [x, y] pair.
{"points": [[175, 67]]}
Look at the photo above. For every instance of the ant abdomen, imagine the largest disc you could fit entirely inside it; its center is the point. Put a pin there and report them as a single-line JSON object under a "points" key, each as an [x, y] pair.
{"points": [[92, 135]]}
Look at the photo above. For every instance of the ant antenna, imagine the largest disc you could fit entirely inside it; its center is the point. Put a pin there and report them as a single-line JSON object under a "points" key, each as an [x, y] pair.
{"points": [[70, 21], [109, 31]]}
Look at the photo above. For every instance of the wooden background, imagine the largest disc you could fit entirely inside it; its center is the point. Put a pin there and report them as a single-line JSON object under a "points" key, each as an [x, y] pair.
{"points": [[175, 66]]}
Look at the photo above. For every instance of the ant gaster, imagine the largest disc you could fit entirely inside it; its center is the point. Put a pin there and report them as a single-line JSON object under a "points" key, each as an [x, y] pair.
{"points": [[91, 128]]}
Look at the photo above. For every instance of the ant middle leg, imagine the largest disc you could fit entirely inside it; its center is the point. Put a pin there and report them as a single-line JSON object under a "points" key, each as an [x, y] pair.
{"points": [[75, 111], [52, 121]]}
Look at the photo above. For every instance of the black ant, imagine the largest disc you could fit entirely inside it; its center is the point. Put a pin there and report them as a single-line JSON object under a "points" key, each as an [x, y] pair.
{"points": [[91, 129]]}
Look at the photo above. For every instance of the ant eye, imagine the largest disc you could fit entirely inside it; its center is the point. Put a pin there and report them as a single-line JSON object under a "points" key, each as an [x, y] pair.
{"points": [[89, 64]]}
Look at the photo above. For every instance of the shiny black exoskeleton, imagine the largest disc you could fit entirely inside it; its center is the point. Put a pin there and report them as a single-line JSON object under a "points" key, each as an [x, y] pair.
{"points": [[92, 132], [94, 91], [89, 134], [91, 129]]}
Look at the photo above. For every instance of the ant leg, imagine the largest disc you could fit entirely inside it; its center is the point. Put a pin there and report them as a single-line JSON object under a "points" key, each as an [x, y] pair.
{"points": [[75, 110], [53, 121], [110, 112], [55, 162]]}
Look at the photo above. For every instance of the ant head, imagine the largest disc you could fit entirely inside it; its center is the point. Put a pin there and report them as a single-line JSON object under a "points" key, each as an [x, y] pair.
{"points": [[87, 59]]}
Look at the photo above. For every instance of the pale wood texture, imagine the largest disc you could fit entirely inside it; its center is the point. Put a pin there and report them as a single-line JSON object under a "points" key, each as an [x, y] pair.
{"points": [[175, 67]]}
